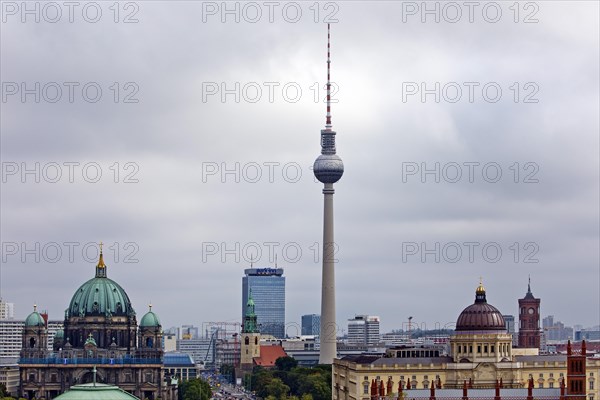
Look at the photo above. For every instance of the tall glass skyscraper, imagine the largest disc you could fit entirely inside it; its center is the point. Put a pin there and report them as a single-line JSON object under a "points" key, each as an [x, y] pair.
{"points": [[268, 292], [311, 324]]}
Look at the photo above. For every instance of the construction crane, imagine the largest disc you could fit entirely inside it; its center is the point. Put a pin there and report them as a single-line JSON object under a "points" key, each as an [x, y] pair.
{"points": [[225, 331]]}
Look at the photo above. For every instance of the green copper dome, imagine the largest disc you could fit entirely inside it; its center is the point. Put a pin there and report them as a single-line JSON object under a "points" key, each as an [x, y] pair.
{"points": [[150, 320], [100, 296], [95, 391], [35, 319]]}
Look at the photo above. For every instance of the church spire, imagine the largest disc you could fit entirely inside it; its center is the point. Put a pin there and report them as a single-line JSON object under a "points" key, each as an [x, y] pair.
{"points": [[250, 319]]}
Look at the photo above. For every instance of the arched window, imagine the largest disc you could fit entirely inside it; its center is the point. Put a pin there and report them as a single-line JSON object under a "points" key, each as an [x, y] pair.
{"points": [[32, 342], [149, 342], [247, 340], [255, 340]]}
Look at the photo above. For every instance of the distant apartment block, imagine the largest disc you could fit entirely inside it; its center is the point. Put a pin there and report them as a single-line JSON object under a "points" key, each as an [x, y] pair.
{"points": [[588, 334], [363, 330], [7, 310], [9, 376], [201, 350], [556, 331]]}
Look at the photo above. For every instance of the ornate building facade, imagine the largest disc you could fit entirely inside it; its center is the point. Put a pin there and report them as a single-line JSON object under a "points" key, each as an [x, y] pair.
{"points": [[100, 331], [481, 357]]}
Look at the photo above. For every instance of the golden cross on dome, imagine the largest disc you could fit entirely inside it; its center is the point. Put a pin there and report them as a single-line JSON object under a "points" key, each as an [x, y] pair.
{"points": [[480, 280]]}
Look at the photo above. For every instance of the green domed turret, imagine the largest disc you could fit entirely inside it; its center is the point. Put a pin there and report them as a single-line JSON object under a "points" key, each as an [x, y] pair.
{"points": [[150, 319], [100, 296], [34, 319]]}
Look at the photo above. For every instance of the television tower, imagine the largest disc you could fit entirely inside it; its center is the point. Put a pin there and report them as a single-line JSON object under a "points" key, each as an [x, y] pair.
{"points": [[328, 169]]}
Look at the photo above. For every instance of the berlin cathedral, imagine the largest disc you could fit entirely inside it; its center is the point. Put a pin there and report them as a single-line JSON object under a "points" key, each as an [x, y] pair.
{"points": [[100, 333]]}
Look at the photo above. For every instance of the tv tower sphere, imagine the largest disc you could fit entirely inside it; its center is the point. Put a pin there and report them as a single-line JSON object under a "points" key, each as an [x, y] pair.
{"points": [[328, 168]]}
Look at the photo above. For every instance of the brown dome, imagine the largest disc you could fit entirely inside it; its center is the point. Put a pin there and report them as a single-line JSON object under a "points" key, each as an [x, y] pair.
{"points": [[480, 316]]}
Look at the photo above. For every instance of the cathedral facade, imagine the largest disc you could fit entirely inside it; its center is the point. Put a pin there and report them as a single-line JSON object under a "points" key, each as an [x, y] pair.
{"points": [[101, 332]]}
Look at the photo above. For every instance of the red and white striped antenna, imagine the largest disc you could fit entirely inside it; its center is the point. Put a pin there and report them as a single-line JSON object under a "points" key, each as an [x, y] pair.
{"points": [[328, 118]]}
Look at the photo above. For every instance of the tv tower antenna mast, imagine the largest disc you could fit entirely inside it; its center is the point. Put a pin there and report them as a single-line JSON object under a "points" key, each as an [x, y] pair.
{"points": [[328, 169]]}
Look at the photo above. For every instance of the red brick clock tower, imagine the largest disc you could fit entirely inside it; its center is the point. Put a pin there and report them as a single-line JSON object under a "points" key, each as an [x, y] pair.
{"points": [[529, 320]]}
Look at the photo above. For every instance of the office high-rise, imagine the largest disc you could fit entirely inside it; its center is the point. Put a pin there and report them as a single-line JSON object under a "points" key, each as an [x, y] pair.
{"points": [[268, 292], [311, 324], [363, 330]]}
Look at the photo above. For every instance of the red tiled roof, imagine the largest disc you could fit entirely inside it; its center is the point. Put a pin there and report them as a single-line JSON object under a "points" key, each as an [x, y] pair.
{"points": [[268, 355]]}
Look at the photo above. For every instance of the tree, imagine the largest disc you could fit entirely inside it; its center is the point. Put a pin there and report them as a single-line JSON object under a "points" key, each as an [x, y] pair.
{"points": [[277, 388], [194, 389], [300, 382], [3, 390], [286, 363], [316, 386]]}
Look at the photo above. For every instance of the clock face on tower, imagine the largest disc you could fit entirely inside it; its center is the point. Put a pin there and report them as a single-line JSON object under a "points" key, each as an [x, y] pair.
{"points": [[531, 311]]}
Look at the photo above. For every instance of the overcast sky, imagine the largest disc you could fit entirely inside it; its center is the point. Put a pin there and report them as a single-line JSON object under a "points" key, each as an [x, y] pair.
{"points": [[488, 89]]}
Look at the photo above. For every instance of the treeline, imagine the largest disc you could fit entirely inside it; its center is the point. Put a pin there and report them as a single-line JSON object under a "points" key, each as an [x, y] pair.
{"points": [[194, 389], [288, 381]]}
